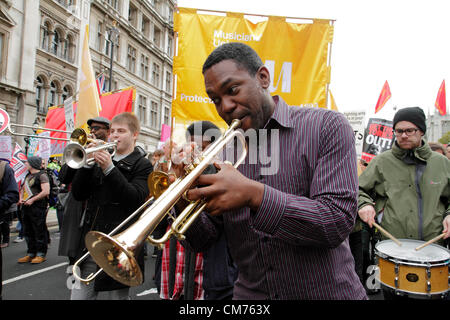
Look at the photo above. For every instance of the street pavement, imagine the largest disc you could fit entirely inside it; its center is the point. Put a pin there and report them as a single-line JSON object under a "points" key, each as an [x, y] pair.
{"points": [[51, 279]]}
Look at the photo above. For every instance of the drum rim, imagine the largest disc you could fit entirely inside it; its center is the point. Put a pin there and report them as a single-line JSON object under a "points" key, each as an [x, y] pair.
{"points": [[414, 293], [403, 259]]}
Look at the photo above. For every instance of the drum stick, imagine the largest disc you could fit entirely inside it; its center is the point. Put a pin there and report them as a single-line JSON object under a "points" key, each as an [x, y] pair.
{"points": [[430, 241], [387, 234]]}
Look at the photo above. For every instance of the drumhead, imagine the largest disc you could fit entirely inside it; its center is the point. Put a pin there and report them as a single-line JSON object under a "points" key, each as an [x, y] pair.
{"points": [[430, 253]]}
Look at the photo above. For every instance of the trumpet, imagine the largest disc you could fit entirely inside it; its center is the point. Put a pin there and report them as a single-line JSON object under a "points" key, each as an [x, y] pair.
{"points": [[116, 255], [76, 156]]}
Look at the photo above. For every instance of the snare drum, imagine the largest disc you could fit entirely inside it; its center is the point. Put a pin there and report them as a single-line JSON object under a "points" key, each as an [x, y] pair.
{"points": [[419, 274]]}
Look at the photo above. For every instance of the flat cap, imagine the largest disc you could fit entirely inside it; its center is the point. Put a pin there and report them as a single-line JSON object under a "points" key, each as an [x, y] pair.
{"points": [[102, 120]]}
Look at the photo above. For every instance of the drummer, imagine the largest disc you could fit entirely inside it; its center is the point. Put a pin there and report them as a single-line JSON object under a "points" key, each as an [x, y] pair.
{"points": [[407, 188]]}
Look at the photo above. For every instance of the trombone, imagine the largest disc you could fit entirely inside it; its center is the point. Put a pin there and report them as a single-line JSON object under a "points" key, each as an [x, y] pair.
{"points": [[36, 128], [117, 255]]}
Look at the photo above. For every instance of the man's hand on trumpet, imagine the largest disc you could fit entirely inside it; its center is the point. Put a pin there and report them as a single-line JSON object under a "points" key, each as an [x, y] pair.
{"points": [[227, 190], [102, 157]]}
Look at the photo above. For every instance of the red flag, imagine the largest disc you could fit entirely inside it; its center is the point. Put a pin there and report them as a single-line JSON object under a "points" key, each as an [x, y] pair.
{"points": [[384, 97], [440, 100], [112, 104]]}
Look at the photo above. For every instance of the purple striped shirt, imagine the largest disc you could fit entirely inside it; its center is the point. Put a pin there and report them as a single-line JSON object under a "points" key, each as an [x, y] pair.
{"points": [[296, 245]]}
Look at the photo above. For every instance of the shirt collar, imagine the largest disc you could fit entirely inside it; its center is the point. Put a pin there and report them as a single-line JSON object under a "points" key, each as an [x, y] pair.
{"points": [[280, 113]]}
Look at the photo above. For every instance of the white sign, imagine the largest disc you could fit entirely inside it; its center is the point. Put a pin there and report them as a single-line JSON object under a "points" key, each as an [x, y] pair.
{"points": [[44, 145], [68, 110], [5, 147], [357, 120]]}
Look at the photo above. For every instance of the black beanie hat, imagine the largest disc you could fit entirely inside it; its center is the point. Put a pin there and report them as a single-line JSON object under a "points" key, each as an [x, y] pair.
{"points": [[414, 115], [35, 162]]}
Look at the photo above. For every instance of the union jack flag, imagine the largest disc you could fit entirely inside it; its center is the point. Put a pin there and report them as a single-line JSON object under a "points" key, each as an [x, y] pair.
{"points": [[101, 84]]}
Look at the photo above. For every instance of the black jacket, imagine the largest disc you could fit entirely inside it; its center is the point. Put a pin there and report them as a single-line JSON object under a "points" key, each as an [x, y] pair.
{"points": [[9, 190], [111, 199]]}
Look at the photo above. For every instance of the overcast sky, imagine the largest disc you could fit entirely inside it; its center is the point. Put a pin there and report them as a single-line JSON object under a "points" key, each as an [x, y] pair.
{"points": [[404, 42]]}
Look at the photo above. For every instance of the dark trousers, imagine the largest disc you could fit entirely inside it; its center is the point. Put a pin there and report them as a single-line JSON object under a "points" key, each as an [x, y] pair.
{"points": [[35, 229], [1, 273], [356, 246], [20, 218], [5, 230]]}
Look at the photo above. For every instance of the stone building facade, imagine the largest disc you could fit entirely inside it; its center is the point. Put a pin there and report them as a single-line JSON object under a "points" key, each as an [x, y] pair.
{"points": [[437, 126], [40, 52]]}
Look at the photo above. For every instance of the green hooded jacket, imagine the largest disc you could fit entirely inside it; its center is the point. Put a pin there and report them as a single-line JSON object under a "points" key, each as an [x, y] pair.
{"points": [[409, 189]]}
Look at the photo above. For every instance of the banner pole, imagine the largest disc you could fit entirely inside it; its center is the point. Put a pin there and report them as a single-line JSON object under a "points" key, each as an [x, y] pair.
{"points": [[327, 87]]}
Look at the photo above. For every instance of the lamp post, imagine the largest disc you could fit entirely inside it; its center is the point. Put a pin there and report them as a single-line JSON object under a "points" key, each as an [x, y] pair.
{"points": [[113, 35]]}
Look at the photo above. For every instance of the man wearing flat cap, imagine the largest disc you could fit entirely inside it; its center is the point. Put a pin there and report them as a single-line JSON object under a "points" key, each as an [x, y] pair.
{"points": [[34, 201], [99, 127], [407, 188]]}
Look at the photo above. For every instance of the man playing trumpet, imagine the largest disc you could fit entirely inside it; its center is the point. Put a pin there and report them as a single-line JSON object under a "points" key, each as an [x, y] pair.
{"points": [[287, 231], [113, 187]]}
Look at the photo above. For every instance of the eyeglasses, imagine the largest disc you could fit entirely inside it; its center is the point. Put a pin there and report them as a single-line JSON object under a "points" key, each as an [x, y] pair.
{"points": [[96, 128], [409, 131]]}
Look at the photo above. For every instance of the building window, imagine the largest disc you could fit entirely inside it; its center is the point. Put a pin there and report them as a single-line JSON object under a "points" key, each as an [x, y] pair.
{"points": [[39, 95], [65, 49], [167, 116], [107, 44], [114, 4], [52, 98], [67, 93], [155, 75], [168, 81], [170, 47], [55, 43], [154, 115], [156, 36], [44, 37], [132, 16], [143, 110], [145, 28], [99, 36], [170, 15], [131, 59], [144, 67], [69, 49]]}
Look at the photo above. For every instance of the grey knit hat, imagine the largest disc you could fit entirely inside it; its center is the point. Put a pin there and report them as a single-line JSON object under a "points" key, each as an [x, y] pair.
{"points": [[35, 162]]}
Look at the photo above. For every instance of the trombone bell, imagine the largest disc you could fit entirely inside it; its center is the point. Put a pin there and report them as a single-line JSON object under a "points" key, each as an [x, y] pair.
{"points": [[118, 259]]}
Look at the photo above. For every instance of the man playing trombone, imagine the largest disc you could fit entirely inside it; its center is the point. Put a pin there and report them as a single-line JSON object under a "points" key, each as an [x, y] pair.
{"points": [[113, 187]]}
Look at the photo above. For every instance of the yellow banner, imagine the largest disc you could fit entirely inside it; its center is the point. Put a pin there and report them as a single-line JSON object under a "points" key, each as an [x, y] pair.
{"points": [[295, 54]]}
